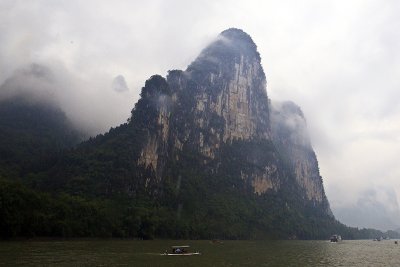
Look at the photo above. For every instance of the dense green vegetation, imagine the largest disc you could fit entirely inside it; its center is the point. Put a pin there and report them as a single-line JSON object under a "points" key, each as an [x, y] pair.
{"points": [[194, 203], [32, 135], [28, 213]]}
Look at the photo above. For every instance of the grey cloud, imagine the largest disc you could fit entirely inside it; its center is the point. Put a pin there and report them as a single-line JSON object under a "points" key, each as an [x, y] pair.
{"points": [[34, 83], [88, 107], [376, 208], [288, 116]]}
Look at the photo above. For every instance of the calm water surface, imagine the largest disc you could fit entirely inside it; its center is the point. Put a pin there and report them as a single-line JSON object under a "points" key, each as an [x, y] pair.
{"points": [[230, 253]]}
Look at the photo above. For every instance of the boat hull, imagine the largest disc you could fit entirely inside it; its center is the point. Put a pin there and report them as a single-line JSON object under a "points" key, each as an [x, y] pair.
{"points": [[181, 254]]}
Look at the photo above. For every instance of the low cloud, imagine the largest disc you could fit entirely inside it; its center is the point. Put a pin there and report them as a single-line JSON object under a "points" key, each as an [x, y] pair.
{"points": [[288, 117], [34, 84], [92, 107]]}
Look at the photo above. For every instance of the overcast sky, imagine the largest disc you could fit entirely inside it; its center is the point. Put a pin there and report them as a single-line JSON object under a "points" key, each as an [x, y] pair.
{"points": [[338, 60]]}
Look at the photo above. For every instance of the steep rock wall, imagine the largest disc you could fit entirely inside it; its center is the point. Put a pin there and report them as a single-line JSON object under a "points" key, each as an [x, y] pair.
{"points": [[290, 135]]}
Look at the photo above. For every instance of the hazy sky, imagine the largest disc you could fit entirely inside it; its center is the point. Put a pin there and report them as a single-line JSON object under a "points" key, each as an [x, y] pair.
{"points": [[338, 60]]}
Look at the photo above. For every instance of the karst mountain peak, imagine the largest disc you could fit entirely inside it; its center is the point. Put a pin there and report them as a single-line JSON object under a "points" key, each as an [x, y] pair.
{"points": [[205, 154]]}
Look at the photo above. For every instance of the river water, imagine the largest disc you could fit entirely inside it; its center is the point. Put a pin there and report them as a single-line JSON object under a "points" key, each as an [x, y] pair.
{"points": [[227, 253]]}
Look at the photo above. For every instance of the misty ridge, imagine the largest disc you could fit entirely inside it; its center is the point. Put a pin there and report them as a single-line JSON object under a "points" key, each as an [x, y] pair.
{"points": [[90, 110]]}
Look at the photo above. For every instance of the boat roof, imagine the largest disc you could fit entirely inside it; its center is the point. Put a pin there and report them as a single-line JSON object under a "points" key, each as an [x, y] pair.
{"points": [[185, 246]]}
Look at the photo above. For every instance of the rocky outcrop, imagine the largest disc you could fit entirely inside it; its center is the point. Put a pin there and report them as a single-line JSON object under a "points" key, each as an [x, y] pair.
{"points": [[232, 85], [218, 101], [221, 97], [290, 135], [154, 117]]}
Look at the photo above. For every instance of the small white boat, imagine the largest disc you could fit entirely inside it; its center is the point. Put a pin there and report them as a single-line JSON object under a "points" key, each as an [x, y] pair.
{"points": [[180, 251]]}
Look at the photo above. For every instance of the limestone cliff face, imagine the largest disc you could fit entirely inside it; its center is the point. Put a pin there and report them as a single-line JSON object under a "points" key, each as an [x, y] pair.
{"points": [[291, 138], [154, 109], [221, 97], [219, 104], [232, 85], [205, 156]]}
